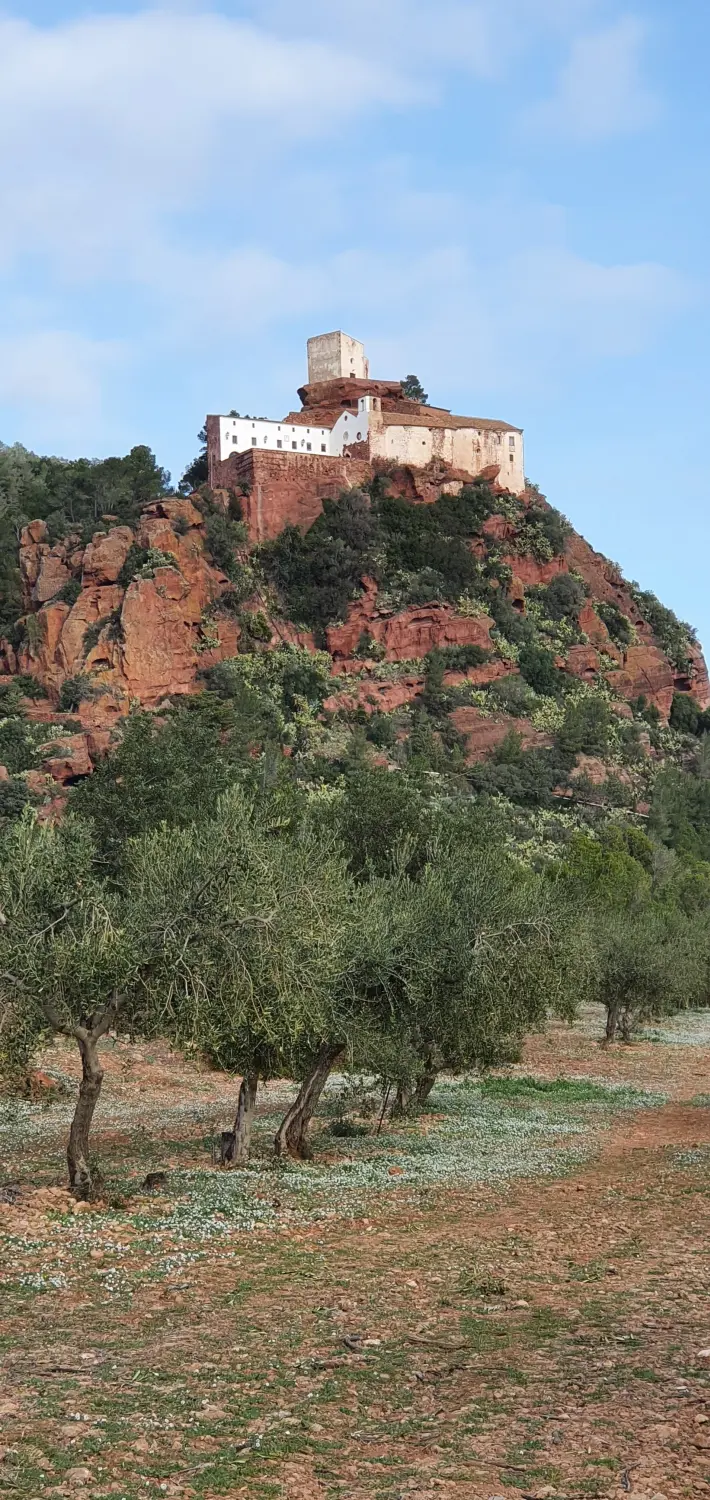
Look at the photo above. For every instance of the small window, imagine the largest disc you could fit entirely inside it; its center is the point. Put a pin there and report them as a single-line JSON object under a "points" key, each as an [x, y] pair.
{"points": [[253, 442], [359, 437], [308, 429], [279, 444], [309, 446], [322, 447], [253, 424], [512, 458], [294, 445], [511, 442], [266, 439], [235, 439]]}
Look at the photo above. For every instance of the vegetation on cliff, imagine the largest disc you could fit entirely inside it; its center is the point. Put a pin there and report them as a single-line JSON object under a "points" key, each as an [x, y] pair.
{"points": [[476, 793]]}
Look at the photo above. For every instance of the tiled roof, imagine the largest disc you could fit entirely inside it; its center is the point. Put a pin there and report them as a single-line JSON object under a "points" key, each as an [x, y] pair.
{"points": [[435, 416]]}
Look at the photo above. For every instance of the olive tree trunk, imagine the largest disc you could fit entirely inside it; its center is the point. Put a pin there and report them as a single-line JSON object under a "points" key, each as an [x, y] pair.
{"points": [[292, 1134], [236, 1143], [92, 1077]]}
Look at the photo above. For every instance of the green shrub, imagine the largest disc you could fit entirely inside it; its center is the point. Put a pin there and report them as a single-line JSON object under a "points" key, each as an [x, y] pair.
{"points": [[563, 598], [684, 714], [619, 625], [14, 797], [460, 658], [69, 592], [513, 695], [29, 686], [74, 690], [586, 728], [223, 537], [255, 625], [674, 636], [142, 562], [319, 573], [537, 666]]}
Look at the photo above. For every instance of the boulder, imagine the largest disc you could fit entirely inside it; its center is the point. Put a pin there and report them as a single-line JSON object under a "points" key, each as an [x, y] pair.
{"points": [[105, 555], [158, 653], [52, 575], [70, 759]]}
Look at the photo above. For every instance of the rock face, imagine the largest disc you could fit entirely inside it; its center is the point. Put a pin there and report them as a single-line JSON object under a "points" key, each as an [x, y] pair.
{"points": [[407, 635], [140, 643], [146, 638]]}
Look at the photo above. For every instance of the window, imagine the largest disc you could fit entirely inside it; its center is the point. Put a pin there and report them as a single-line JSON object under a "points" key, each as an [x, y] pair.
{"points": [[512, 458], [253, 442], [359, 437], [266, 439], [322, 447], [235, 439], [309, 446], [294, 445], [511, 442], [279, 444], [253, 424]]}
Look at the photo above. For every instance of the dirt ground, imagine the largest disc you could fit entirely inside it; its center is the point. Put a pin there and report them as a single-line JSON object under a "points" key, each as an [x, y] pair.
{"points": [[541, 1334]]}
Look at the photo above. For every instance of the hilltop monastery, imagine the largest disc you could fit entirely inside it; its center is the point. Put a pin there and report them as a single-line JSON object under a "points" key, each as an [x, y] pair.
{"points": [[349, 426]]}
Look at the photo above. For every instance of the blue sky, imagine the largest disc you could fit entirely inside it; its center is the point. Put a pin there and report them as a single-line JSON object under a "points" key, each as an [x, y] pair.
{"points": [[508, 197]]}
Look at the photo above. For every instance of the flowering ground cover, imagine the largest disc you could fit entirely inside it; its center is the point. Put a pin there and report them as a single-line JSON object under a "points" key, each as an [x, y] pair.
{"points": [[505, 1296]]}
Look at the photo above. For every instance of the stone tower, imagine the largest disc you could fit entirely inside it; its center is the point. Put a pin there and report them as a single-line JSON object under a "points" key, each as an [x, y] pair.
{"points": [[333, 355]]}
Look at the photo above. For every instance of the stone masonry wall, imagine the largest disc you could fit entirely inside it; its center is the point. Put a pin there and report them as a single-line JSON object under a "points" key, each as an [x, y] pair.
{"points": [[286, 489]]}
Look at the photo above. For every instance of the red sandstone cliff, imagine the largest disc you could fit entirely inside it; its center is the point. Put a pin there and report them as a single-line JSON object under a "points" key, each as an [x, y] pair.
{"points": [[151, 640]]}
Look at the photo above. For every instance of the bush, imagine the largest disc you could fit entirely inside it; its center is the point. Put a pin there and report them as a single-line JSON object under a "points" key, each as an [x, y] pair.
{"points": [[142, 562], [224, 537], [319, 573], [685, 714], [74, 690], [538, 668], [14, 797], [69, 592], [618, 625], [30, 687], [460, 658], [563, 598], [673, 635], [513, 695], [586, 727]]}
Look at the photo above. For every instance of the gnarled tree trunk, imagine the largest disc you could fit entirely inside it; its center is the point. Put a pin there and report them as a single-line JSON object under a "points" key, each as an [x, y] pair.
{"points": [[425, 1085], [292, 1134], [236, 1143], [612, 1021], [92, 1077]]}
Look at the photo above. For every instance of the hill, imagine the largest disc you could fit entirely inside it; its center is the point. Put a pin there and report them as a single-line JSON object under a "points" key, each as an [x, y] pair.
{"points": [[477, 636]]}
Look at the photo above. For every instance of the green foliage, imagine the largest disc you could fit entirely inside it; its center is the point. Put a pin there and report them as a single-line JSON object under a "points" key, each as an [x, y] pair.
{"points": [[537, 666], [543, 531], [255, 626], [513, 695], [586, 727], [142, 562], [673, 635], [14, 797], [618, 624], [413, 389], [196, 473], [686, 717], [319, 573], [72, 495], [69, 592], [74, 690], [224, 536], [173, 771], [563, 598], [460, 658]]}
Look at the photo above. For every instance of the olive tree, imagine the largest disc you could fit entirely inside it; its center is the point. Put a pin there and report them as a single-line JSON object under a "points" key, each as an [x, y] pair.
{"points": [[69, 961], [258, 934]]}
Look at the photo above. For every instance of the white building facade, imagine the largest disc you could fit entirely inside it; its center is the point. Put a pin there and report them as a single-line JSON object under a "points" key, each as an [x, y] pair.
{"points": [[402, 434]]}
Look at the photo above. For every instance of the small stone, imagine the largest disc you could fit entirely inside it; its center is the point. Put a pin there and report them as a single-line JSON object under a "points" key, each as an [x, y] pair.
{"points": [[81, 1208], [703, 1354], [79, 1476], [213, 1414]]}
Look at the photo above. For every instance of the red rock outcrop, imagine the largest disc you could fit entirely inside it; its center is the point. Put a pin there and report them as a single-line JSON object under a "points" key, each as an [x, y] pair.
{"points": [[409, 634], [105, 555], [646, 671], [484, 733]]}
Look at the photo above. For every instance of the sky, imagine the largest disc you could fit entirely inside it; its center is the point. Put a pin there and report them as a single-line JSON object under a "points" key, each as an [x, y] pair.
{"points": [[508, 198]]}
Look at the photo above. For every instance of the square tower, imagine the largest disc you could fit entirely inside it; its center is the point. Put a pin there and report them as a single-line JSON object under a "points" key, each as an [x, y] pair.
{"points": [[334, 355]]}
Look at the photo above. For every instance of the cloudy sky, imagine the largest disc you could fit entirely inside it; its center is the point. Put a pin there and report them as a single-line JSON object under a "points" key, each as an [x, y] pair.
{"points": [[507, 197]]}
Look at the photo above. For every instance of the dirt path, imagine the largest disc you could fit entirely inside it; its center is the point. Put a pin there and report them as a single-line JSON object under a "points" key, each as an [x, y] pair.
{"points": [[549, 1337]]}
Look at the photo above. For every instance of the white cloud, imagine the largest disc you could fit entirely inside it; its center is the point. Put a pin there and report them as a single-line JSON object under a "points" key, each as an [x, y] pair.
{"points": [[56, 377], [601, 91]]}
